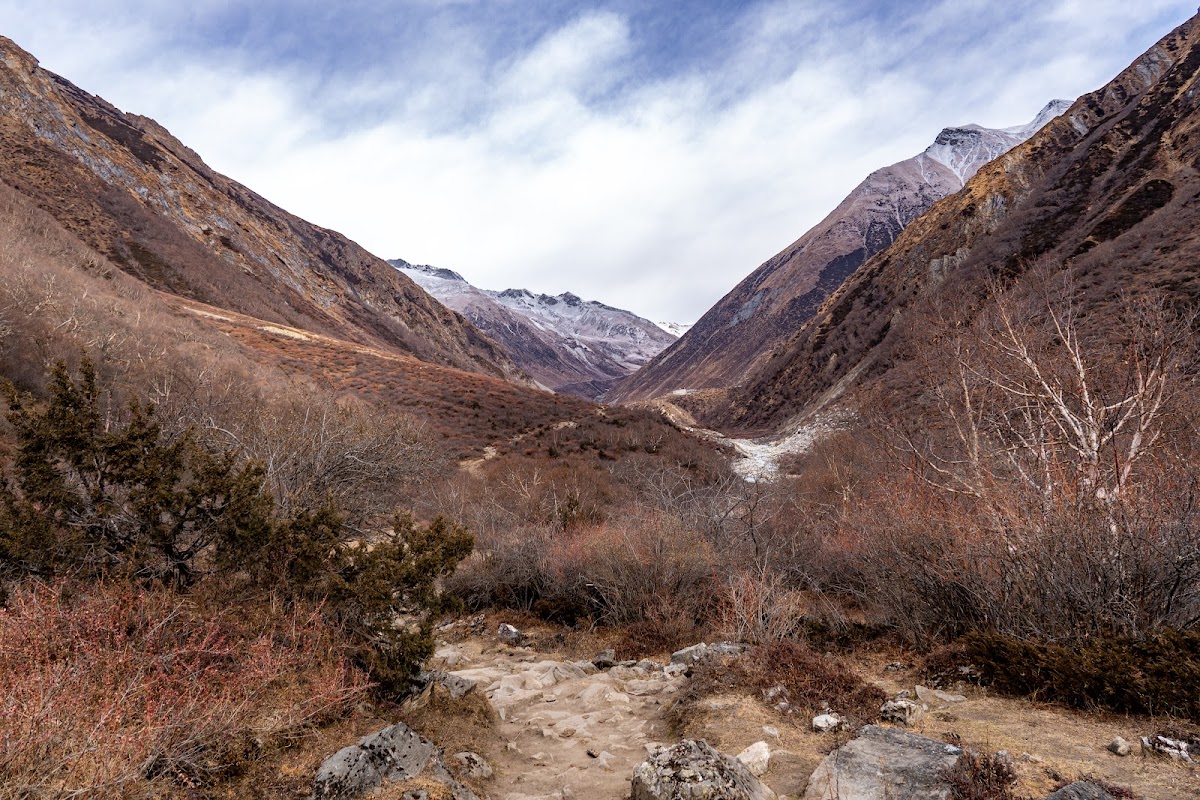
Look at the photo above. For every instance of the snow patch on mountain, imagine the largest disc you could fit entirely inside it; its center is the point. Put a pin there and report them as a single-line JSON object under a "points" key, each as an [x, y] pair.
{"points": [[676, 329], [963, 150]]}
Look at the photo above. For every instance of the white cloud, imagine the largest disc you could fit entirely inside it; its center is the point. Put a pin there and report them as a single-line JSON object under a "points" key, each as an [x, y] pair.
{"points": [[563, 165]]}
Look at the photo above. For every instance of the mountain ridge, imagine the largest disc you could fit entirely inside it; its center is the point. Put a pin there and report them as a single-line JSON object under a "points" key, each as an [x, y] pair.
{"points": [[758, 314], [564, 342], [1124, 158], [128, 188]]}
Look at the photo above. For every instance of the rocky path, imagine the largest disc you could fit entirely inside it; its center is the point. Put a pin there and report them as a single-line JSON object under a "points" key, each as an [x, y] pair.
{"points": [[555, 728], [571, 729]]}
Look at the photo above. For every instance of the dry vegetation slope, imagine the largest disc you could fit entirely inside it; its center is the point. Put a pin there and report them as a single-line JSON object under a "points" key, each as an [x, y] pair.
{"points": [[60, 299], [1109, 189], [133, 192]]}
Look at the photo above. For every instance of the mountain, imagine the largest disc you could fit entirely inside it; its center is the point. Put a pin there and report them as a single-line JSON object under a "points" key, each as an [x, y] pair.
{"points": [[762, 311], [566, 344], [1108, 192], [140, 197]]}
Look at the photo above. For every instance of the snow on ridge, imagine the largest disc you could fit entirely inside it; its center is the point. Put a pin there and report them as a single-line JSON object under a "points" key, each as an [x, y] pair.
{"points": [[675, 329], [1051, 110], [966, 148], [590, 329]]}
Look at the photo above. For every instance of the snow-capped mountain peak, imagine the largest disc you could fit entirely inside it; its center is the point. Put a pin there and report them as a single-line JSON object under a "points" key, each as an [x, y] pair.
{"points": [[563, 341], [964, 149], [674, 328]]}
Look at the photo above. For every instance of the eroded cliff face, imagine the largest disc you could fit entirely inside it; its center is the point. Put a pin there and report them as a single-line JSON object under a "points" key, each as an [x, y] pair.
{"points": [[1108, 189], [129, 189], [765, 309]]}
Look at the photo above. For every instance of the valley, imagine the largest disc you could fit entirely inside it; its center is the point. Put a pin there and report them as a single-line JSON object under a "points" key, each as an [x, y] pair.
{"points": [[909, 512]]}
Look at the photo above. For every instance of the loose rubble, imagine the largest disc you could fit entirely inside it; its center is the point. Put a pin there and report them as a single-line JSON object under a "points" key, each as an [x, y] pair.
{"points": [[1164, 746]]}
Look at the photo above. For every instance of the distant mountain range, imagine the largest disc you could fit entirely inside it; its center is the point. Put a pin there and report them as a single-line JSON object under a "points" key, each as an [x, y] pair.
{"points": [[1105, 187], [766, 308], [565, 343]]}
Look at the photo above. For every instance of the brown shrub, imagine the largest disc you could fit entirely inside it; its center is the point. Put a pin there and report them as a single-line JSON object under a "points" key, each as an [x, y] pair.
{"points": [[979, 776], [110, 690], [760, 608], [811, 682], [643, 569], [1155, 675]]}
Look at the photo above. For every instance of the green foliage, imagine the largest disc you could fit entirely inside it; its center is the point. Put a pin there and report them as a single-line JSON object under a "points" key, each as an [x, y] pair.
{"points": [[388, 591], [93, 495], [1154, 675]]}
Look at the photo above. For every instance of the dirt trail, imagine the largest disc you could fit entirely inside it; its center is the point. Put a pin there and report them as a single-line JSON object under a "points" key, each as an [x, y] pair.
{"points": [[570, 729]]}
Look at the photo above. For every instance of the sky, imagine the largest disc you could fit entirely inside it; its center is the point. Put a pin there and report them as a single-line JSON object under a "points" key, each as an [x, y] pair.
{"points": [[645, 154]]}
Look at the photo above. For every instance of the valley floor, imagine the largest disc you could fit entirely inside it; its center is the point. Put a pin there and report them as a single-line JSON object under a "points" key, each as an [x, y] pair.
{"points": [[567, 729]]}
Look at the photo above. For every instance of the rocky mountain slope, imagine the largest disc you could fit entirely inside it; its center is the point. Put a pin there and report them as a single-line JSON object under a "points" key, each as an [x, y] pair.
{"points": [[564, 343], [129, 189], [1108, 190], [762, 311]]}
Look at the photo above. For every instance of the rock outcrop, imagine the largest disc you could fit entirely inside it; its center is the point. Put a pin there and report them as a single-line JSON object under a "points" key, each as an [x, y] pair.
{"points": [[694, 770], [396, 753]]}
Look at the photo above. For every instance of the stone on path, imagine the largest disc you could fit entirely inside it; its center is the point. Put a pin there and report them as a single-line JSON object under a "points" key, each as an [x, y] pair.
{"points": [[690, 655], [694, 770], [1120, 747], [824, 723], [901, 711], [1081, 790], [884, 762], [757, 758]]}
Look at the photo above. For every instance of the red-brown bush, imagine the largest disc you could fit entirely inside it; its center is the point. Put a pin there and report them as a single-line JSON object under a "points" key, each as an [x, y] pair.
{"points": [[111, 690]]}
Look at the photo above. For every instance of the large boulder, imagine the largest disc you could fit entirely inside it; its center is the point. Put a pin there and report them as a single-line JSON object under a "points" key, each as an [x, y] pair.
{"points": [[396, 753], [1082, 790], [884, 762], [694, 770]]}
